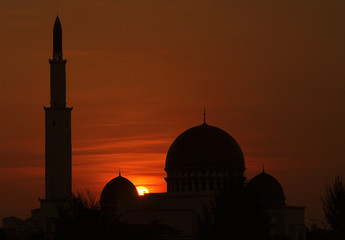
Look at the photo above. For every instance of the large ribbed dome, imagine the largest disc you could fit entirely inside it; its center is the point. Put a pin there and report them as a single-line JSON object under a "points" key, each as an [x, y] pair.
{"points": [[204, 146], [267, 188], [117, 187]]}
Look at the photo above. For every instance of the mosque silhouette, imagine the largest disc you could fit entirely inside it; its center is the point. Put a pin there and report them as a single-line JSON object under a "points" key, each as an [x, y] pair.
{"points": [[200, 163]]}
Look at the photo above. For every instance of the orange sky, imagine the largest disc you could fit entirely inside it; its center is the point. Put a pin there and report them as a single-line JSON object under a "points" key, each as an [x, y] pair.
{"points": [[271, 73]]}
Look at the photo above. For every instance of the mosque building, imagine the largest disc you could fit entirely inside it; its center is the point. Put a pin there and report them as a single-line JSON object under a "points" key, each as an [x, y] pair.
{"points": [[200, 163]]}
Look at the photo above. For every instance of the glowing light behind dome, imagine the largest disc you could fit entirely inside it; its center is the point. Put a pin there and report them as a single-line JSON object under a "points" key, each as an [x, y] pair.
{"points": [[142, 190]]}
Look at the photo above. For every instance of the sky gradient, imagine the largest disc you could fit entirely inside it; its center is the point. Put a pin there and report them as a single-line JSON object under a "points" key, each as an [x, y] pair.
{"points": [[139, 73]]}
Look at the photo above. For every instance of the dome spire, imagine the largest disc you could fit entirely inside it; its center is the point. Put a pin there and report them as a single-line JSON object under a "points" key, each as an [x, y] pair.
{"points": [[204, 115]]}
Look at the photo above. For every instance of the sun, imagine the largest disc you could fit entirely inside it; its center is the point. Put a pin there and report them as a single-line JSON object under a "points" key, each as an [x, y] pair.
{"points": [[142, 190]]}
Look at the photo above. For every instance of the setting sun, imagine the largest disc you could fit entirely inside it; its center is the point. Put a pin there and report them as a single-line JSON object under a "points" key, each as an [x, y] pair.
{"points": [[142, 190]]}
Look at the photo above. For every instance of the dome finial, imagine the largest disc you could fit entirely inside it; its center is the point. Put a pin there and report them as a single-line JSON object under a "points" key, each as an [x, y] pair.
{"points": [[204, 115], [119, 172], [263, 168]]}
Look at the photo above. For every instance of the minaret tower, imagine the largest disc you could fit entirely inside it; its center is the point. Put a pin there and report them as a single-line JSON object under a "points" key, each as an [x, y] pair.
{"points": [[58, 154], [58, 148]]}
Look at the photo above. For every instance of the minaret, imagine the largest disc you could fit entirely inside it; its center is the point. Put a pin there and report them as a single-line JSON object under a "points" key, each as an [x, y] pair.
{"points": [[58, 148], [58, 154]]}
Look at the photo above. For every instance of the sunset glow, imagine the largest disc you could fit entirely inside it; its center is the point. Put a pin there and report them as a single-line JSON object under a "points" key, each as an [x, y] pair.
{"points": [[139, 73], [142, 190]]}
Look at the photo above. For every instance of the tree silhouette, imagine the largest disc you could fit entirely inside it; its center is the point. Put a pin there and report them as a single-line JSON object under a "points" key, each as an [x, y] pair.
{"points": [[79, 219], [316, 233], [334, 206], [2, 234], [236, 214], [84, 219]]}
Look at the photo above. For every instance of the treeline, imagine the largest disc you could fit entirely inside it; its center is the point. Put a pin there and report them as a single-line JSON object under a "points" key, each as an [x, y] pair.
{"points": [[84, 219], [235, 214], [333, 202]]}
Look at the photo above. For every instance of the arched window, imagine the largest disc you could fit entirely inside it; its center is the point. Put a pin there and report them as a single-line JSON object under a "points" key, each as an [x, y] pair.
{"points": [[218, 186], [196, 185], [189, 186], [203, 185], [211, 185]]}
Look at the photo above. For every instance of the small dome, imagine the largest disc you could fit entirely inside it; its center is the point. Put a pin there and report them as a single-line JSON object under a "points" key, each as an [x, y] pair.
{"points": [[204, 146], [268, 189], [117, 187]]}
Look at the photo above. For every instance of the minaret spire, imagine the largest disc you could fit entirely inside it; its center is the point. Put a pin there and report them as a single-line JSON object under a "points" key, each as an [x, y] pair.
{"points": [[57, 69], [57, 40]]}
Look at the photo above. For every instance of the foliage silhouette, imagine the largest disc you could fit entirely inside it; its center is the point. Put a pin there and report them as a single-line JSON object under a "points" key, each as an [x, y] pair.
{"points": [[316, 233], [2, 234], [236, 214], [334, 207], [84, 219]]}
